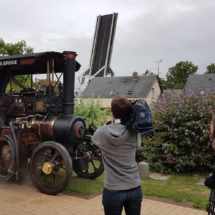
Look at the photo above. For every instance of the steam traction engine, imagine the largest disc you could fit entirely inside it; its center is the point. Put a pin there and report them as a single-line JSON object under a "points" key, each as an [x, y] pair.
{"points": [[38, 128]]}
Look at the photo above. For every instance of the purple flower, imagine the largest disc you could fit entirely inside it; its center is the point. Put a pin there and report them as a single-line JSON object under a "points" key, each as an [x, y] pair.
{"points": [[175, 129], [185, 133], [188, 123], [209, 144], [189, 143], [190, 114], [204, 131], [180, 160], [186, 105], [186, 115], [198, 107], [165, 152], [201, 127], [193, 133], [164, 144], [201, 139], [177, 170]]}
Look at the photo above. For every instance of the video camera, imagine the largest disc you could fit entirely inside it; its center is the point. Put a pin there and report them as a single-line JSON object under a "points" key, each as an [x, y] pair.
{"points": [[140, 117]]}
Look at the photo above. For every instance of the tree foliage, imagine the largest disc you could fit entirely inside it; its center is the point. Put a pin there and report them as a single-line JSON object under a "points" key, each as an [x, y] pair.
{"points": [[93, 114], [210, 69], [177, 75], [148, 72], [14, 48], [18, 48]]}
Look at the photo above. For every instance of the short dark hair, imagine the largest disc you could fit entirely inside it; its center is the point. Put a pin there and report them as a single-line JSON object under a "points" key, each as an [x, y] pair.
{"points": [[120, 107]]}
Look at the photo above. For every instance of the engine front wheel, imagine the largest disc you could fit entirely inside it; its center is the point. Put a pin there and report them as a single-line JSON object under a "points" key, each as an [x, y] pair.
{"points": [[51, 167]]}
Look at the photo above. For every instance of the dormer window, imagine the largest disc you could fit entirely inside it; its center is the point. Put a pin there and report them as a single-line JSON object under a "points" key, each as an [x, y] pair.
{"points": [[130, 92]]}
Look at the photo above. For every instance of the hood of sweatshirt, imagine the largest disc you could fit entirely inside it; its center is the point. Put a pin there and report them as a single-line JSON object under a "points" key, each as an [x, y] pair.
{"points": [[116, 134]]}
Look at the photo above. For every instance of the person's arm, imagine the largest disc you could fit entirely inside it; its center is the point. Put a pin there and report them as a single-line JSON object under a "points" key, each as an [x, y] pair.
{"points": [[97, 137], [111, 118]]}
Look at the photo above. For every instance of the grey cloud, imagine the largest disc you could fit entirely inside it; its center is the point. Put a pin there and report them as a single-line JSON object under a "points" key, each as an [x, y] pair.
{"points": [[147, 31]]}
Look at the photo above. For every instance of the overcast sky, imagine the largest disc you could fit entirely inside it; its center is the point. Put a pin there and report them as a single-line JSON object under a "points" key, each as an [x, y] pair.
{"points": [[147, 30]]}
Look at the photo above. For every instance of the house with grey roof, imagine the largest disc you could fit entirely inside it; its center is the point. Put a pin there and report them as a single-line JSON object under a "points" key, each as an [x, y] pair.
{"points": [[200, 82], [171, 92], [132, 87]]}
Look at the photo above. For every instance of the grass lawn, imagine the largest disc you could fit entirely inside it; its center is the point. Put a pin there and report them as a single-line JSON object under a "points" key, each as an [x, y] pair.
{"points": [[178, 187], [85, 186]]}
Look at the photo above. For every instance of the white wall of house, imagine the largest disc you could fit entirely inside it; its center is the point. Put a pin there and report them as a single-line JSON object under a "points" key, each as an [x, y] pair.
{"points": [[153, 96]]}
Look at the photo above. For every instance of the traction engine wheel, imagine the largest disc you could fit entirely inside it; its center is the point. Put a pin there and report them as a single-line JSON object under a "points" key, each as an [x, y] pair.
{"points": [[51, 167], [96, 167], [7, 161]]}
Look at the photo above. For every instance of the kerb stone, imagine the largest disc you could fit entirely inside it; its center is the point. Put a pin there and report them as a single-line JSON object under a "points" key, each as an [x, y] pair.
{"points": [[143, 169]]}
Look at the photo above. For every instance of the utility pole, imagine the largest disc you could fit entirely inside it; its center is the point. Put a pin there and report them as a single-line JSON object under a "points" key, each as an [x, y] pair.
{"points": [[158, 62]]}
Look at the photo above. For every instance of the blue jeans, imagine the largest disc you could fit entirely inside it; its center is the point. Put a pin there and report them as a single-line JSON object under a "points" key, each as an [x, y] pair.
{"points": [[113, 201]]}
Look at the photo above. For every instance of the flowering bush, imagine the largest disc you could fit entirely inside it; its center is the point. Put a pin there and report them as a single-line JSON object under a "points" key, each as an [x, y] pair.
{"points": [[181, 141]]}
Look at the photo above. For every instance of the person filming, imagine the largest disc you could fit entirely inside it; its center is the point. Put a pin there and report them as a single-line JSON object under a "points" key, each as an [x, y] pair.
{"points": [[122, 186]]}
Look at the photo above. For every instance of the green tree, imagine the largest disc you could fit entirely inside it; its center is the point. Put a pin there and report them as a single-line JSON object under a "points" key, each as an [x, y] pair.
{"points": [[210, 69], [18, 48], [177, 75], [148, 72], [14, 48]]}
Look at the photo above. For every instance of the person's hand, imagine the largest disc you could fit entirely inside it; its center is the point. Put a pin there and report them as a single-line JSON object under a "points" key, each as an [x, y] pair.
{"points": [[111, 118]]}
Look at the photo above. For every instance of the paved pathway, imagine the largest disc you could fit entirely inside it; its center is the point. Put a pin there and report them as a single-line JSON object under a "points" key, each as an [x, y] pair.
{"points": [[20, 199]]}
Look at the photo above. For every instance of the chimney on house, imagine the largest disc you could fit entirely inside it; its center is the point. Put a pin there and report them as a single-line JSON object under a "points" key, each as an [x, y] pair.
{"points": [[135, 75]]}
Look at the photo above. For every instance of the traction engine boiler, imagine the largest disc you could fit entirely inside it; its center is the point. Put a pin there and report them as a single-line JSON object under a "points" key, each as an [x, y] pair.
{"points": [[38, 129]]}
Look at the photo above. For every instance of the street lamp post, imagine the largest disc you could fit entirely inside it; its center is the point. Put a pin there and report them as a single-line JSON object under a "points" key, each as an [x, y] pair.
{"points": [[159, 61]]}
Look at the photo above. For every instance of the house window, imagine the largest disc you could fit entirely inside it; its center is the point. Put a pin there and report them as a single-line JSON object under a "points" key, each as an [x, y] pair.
{"points": [[153, 93], [130, 92]]}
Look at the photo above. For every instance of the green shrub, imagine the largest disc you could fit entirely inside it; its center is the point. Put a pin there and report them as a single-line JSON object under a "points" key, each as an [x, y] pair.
{"points": [[92, 113], [181, 141]]}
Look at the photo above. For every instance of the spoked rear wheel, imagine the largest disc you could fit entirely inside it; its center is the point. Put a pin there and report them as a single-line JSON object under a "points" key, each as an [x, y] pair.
{"points": [[96, 167], [51, 167]]}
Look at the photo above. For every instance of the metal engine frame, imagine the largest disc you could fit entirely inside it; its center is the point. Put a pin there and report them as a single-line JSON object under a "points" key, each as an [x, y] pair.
{"points": [[41, 126]]}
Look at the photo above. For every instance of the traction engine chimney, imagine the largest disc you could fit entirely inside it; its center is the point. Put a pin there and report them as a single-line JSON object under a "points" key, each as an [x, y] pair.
{"points": [[69, 83]]}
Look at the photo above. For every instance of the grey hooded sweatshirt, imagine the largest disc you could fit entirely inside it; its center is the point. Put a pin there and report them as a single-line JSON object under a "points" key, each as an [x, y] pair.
{"points": [[118, 146]]}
